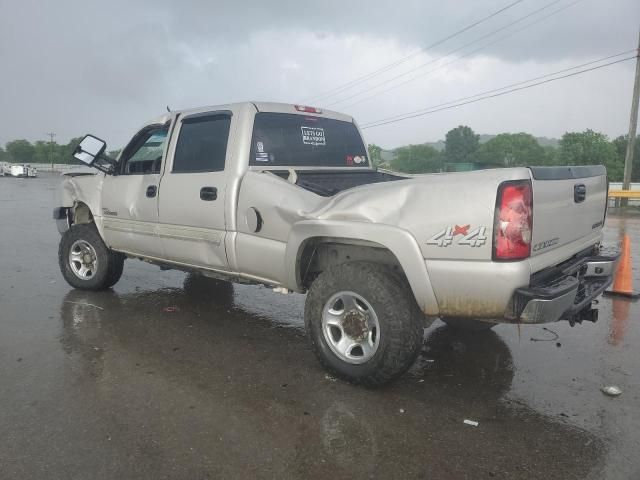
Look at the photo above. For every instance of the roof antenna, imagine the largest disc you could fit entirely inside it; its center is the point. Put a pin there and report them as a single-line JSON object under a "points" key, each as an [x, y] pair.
{"points": [[168, 109]]}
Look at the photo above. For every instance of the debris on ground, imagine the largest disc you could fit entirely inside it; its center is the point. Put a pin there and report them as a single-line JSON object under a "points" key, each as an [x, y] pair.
{"points": [[401, 410], [171, 309], [330, 377], [555, 337], [611, 390], [473, 423]]}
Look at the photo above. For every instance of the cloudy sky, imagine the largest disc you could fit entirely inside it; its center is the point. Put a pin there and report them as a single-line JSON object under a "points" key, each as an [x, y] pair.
{"points": [[74, 66]]}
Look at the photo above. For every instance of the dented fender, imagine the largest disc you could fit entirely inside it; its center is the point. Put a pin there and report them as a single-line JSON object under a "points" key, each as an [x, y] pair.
{"points": [[398, 241], [85, 189]]}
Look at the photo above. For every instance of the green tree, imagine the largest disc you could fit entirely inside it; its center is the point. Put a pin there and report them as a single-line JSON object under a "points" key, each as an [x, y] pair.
{"points": [[4, 157], [375, 153], [511, 150], [591, 148], [417, 159], [20, 151], [550, 155], [114, 153], [620, 144], [43, 152], [64, 153], [461, 144]]}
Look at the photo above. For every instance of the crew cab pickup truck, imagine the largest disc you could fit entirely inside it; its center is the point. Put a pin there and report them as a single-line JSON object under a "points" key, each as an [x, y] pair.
{"points": [[286, 196]]}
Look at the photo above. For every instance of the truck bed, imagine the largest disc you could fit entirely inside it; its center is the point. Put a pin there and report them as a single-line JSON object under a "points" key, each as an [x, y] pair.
{"points": [[329, 183]]}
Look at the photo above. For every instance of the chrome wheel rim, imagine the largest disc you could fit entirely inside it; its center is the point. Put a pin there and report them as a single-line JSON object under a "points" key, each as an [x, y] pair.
{"points": [[350, 327], [83, 260]]}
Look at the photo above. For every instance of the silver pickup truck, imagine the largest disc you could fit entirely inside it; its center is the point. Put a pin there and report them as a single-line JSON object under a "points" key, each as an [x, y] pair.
{"points": [[285, 196]]}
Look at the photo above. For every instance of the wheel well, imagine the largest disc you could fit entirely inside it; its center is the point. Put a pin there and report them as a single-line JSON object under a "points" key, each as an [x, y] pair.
{"points": [[81, 213], [319, 253]]}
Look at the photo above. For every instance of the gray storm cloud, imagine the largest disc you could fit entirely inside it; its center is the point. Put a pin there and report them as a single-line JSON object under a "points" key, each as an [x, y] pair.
{"points": [[106, 67]]}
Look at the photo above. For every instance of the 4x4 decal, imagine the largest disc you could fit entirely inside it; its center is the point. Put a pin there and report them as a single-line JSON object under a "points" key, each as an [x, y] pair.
{"points": [[473, 238]]}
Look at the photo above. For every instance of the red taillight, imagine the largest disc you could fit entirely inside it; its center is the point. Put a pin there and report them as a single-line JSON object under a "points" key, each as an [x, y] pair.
{"points": [[303, 108], [513, 221]]}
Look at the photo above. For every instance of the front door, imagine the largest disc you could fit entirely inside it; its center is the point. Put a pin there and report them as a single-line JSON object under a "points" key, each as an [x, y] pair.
{"points": [[130, 199], [192, 199]]}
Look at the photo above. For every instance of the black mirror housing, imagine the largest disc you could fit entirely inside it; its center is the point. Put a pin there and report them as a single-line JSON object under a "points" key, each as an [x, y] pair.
{"points": [[89, 149]]}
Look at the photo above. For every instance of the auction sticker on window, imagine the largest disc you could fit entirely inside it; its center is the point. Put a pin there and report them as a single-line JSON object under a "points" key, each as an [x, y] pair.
{"points": [[313, 136]]}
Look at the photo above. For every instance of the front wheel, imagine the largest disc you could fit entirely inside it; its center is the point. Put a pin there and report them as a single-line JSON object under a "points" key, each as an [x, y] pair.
{"points": [[85, 261], [363, 323]]}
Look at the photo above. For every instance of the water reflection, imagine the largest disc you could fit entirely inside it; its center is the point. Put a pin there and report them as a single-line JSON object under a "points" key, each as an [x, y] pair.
{"points": [[236, 387], [481, 361], [620, 308], [348, 439]]}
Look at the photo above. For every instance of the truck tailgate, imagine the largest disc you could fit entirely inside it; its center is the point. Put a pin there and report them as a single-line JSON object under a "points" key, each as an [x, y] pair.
{"points": [[568, 205]]}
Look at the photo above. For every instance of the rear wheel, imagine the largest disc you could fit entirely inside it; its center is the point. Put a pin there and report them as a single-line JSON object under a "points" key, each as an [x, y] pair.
{"points": [[467, 324], [363, 325], [85, 261]]}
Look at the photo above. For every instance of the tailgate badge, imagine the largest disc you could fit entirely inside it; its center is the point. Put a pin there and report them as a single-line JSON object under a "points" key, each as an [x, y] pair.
{"points": [[546, 244], [474, 238]]}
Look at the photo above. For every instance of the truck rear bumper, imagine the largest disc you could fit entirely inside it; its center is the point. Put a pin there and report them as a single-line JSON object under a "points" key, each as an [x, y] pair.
{"points": [[567, 291]]}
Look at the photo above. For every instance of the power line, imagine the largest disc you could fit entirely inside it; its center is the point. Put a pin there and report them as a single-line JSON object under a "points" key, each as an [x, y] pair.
{"points": [[471, 52], [347, 85], [524, 82], [430, 62], [51, 136], [460, 102]]}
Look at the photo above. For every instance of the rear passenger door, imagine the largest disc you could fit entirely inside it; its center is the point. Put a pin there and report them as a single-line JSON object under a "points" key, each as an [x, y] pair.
{"points": [[192, 191]]}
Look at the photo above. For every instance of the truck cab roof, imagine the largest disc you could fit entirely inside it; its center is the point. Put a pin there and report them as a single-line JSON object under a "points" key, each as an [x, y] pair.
{"points": [[273, 107]]}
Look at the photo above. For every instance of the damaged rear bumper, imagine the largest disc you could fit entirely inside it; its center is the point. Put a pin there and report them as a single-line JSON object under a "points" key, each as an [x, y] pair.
{"points": [[566, 292]]}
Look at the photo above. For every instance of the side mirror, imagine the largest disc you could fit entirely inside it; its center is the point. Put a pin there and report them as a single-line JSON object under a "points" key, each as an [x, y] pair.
{"points": [[89, 149]]}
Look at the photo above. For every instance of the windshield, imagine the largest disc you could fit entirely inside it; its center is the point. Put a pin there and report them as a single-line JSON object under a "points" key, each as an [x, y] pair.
{"points": [[283, 139]]}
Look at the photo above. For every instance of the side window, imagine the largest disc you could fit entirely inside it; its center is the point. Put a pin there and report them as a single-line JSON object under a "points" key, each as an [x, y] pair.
{"points": [[144, 155], [202, 144]]}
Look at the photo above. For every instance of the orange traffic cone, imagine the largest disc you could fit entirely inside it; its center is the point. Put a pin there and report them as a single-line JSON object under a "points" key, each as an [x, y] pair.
{"points": [[623, 280]]}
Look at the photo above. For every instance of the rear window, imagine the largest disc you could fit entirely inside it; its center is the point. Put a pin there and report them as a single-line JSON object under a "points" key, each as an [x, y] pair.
{"points": [[283, 139]]}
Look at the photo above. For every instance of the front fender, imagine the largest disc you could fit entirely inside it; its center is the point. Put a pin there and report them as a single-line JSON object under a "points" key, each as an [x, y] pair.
{"points": [[398, 241], [85, 189]]}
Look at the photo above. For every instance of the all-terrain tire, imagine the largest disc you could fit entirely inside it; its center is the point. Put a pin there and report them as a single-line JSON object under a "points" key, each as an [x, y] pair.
{"points": [[468, 325], [116, 269], [401, 331], [109, 263]]}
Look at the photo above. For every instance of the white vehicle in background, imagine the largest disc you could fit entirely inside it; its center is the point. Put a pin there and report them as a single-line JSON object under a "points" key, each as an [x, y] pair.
{"points": [[21, 171], [4, 169]]}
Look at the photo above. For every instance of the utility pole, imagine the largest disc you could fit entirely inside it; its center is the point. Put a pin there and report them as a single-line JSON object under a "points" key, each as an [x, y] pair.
{"points": [[633, 124], [51, 136]]}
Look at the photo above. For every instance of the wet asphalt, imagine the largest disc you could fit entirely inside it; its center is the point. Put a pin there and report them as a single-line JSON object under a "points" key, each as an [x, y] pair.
{"points": [[163, 378]]}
